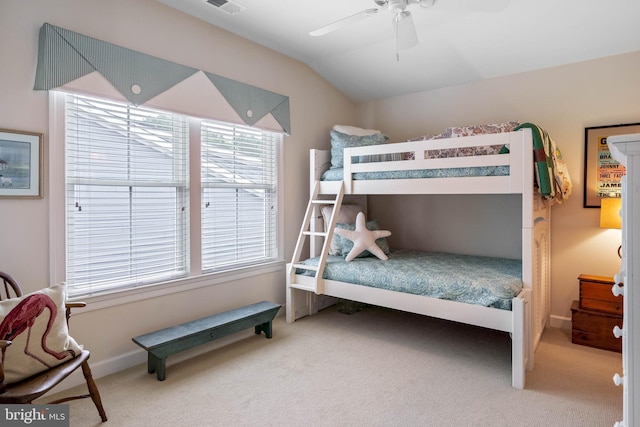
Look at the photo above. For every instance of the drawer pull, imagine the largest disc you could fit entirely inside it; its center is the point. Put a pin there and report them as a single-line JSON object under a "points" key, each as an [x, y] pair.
{"points": [[618, 380], [617, 290], [619, 278], [617, 331]]}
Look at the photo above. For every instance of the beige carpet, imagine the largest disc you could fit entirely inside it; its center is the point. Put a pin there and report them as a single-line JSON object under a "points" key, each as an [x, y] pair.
{"points": [[377, 367]]}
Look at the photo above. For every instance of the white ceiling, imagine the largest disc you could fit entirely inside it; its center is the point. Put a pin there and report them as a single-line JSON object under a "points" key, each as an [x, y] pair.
{"points": [[460, 41]]}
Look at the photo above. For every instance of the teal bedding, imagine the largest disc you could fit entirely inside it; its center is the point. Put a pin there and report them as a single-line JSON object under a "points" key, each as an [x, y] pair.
{"points": [[486, 281], [337, 174]]}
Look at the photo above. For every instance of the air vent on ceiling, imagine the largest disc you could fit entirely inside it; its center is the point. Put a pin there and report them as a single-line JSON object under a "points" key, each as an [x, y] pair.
{"points": [[227, 6]]}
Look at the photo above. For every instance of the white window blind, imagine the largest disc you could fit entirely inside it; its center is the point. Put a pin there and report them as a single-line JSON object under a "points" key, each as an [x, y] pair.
{"points": [[239, 198], [127, 199]]}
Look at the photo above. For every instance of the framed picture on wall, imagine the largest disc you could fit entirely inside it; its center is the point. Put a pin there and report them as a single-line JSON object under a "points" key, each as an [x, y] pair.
{"points": [[602, 174], [20, 164]]}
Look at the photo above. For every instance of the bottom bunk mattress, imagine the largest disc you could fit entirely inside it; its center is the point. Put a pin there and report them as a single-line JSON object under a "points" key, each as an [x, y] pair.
{"points": [[486, 281]]}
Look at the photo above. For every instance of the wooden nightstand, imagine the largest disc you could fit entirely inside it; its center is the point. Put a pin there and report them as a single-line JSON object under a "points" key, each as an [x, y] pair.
{"points": [[595, 315]]}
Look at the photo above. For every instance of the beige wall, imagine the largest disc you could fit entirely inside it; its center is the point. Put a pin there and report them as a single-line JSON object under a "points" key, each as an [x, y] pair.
{"points": [[563, 100], [152, 28]]}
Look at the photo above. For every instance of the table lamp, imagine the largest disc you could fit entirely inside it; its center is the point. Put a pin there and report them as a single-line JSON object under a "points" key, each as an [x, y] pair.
{"points": [[610, 215]]}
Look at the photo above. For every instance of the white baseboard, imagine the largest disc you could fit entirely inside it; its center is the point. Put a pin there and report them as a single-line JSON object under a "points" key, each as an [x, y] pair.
{"points": [[118, 363], [560, 322], [103, 368]]}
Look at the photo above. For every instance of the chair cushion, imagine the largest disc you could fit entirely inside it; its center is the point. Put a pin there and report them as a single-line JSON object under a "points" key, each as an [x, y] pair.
{"points": [[37, 327]]}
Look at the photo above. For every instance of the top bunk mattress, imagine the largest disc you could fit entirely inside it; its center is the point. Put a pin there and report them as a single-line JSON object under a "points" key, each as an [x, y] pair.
{"points": [[338, 174], [340, 141], [487, 281]]}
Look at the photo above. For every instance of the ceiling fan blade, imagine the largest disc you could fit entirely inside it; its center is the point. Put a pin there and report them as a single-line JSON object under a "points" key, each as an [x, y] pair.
{"points": [[427, 3], [343, 22], [406, 36]]}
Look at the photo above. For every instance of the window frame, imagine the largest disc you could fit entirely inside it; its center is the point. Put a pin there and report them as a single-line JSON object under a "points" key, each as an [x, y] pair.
{"points": [[196, 278]]}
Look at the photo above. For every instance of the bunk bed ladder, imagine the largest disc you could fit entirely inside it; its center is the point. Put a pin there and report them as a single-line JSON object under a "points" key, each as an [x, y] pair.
{"points": [[309, 229]]}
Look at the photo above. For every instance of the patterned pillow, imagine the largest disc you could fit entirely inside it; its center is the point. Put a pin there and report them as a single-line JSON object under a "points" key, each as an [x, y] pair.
{"points": [[353, 130], [340, 141], [346, 215], [346, 245], [37, 327], [457, 131]]}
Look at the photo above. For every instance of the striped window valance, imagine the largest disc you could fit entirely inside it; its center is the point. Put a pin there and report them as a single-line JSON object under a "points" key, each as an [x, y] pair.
{"points": [[64, 56]]}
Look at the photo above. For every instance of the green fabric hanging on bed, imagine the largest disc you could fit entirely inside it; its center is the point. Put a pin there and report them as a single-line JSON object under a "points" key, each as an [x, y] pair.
{"points": [[551, 175]]}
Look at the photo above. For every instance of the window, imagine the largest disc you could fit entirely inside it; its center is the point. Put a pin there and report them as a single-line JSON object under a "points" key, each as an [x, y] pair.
{"points": [[238, 195], [129, 199]]}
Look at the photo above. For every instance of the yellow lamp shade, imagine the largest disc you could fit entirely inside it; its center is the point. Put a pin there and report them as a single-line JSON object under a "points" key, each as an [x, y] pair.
{"points": [[610, 213]]}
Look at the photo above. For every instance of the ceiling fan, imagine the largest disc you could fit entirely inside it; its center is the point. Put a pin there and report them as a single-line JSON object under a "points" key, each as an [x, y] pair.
{"points": [[406, 36]]}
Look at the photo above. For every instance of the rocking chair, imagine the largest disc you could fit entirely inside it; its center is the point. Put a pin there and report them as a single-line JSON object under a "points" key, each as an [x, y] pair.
{"points": [[27, 390]]}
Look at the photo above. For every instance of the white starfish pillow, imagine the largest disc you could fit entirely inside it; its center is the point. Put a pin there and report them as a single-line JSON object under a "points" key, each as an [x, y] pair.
{"points": [[363, 239]]}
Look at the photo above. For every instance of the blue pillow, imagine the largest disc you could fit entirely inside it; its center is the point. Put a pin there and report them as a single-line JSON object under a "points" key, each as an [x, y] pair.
{"points": [[345, 245], [340, 141]]}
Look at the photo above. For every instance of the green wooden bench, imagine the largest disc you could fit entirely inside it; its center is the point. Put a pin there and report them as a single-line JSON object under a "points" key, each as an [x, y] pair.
{"points": [[165, 342]]}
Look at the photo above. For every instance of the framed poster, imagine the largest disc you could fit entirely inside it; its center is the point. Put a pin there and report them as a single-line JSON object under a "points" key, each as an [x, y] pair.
{"points": [[20, 164], [602, 174]]}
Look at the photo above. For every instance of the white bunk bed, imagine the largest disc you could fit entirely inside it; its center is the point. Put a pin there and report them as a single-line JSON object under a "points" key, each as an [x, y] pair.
{"points": [[530, 309]]}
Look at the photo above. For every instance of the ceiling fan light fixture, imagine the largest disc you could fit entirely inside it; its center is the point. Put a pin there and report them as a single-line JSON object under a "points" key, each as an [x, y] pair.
{"points": [[406, 36], [397, 6], [427, 3]]}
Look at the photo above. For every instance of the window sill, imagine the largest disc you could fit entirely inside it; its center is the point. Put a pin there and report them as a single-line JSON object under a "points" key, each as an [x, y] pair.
{"points": [[112, 299]]}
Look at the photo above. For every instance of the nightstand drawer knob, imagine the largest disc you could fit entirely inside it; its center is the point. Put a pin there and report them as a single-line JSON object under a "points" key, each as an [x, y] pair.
{"points": [[619, 278], [618, 380], [617, 331], [617, 290]]}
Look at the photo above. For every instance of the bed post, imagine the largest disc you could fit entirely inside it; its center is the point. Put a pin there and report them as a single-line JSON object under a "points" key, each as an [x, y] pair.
{"points": [[528, 330], [289, 305], [521, 355]]}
